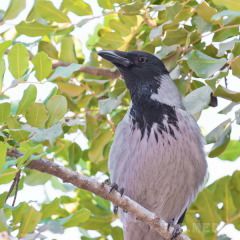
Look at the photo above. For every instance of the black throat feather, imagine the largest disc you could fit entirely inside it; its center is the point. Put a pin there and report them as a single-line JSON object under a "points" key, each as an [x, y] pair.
{"points": [[145, 112]]}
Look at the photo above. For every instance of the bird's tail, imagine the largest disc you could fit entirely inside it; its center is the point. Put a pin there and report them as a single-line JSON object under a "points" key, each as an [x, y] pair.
{"points": [[139, 231]]}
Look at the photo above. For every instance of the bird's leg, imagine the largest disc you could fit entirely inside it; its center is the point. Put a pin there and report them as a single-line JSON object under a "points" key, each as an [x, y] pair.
{"points": [[115, 187], [177, 230]]}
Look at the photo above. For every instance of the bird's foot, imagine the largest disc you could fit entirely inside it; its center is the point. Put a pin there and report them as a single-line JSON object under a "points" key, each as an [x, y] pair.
{"points": [[115, 187], [177, 230]]}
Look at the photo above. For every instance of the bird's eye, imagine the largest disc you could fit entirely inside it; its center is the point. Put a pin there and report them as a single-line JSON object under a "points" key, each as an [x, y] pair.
{"points": [[142, 59]]}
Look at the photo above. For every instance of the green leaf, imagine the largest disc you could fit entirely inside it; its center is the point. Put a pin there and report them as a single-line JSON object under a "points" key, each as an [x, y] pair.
{"points": [[7, 175], [95, 153], [227, 94], [225, 34], [203, 65], [4, 112], [69, 89], [29, 97], [230, 4], [197, 100], [108, 105], [4, 46], [41, 134], [2, 72], [42, 65], [18, 58], [46, 9], [34, 178], [15, 130], [232, 152], [226, 16], [28, 217], [201, 24], [74, 155], [15, 7], [77, 218], [228, 108], [48, 48], [236, 49], [3, 218], [53, 208], [205, 11], [119, 27], [57, 107], [34, 29], [65, 72], [3, 152], [107, 4], [172, 37], [78, 7], [235, 65], [37, 115], [216, 133], [221, 143], [132, 8], [67, 52]]}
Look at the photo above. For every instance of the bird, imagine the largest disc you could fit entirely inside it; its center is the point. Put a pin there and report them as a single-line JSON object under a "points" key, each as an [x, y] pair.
{"points": [[157, 155]]}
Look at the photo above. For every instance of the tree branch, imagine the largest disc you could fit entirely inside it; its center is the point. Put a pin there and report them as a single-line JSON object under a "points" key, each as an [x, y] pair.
{"points": [[102, 72], [102, 190]]}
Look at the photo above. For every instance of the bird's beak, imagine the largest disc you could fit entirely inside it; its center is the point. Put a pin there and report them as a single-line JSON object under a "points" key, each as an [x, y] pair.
{"points": [[118, 58]]}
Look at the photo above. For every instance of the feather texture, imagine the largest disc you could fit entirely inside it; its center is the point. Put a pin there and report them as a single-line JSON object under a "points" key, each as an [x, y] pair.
{"points": [[163, 174]]}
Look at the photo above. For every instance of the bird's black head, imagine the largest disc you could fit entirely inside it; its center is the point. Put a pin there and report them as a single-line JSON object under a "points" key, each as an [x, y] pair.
{"points": [[141, 71]]}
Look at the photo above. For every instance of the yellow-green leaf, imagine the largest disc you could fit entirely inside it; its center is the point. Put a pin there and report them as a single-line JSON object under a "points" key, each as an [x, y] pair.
{"points": [[48, 48], [28, 217], [14, 8], [15, 129], [77, 218], [235, 65], [69, 89], [37, 115], [96, 151], [42, 65], [204, 65], [7, 175], [3, 151], [4, 46], [230, 4], [172, 37], [34, 29], [4, 111], [67, 52], [57, 107], [47, 10], [29, 96], [205, 11], [78, 7], [2, 72], [227, 94], [18, 58], [232, 152]]}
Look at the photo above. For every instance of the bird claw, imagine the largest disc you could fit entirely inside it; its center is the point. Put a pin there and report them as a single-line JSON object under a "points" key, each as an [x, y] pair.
{"points": [[115, 187], [177, 230]]}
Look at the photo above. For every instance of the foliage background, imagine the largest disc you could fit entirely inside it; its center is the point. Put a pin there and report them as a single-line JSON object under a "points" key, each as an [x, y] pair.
{"points": [[50, 108]]}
